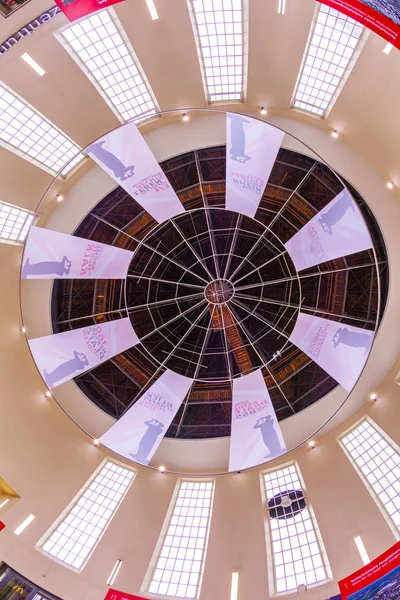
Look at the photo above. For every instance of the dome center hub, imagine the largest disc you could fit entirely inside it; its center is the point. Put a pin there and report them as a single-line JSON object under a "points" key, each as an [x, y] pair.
{"points": [[219, 291]]}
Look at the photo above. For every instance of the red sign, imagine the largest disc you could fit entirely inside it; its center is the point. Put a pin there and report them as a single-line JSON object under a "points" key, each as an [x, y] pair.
{"points": [[75, 9], [116, 595], [379, 579], [380, 16], [2, 525]]}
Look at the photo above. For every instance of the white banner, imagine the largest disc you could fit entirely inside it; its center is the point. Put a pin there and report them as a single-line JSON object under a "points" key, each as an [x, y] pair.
{"points": [[52, 255], [341, 350], [336, 231], [62, 356], [126, 157], [255, 435], [251, 150], [138, 433]]}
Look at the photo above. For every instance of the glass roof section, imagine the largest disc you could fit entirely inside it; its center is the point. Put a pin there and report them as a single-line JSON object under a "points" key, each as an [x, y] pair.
{"points": [[328, 60], [100, 47], [218, 27], [26, 132], [14, 222]]}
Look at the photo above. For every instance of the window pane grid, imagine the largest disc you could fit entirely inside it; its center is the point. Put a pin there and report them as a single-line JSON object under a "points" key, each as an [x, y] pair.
{"points": [[296, 552], [14, 222], [218, 28], [181, 560], [378, 464], [33, 135], [334, 40], [97, 45], [76, 535]]}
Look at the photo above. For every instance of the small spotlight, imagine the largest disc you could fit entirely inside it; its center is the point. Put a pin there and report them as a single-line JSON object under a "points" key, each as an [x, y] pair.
{"points": [[335, 134], [263, 111], [373, 396], [60, 197], [388, 48], [161, 469], [311, 443], [390, 185], [185, 117], [48, 394], [96, 442], [23, 330]]}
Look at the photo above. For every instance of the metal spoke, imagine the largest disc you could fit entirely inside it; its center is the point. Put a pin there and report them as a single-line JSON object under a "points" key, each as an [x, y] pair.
{"points": [[177, 299], [182, 314], [233, 246], [260, 267], [189, 285], [189, 245], [262, 319], [228, 364], [212, 242]]}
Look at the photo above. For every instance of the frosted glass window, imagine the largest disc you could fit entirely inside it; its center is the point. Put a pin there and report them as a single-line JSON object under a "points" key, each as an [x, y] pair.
{"points": [[294, 537], [14, 222], [326, 61], [33, 136], [99, 45], [377, 461], [218, 29], [75, 537], [180, 564]]}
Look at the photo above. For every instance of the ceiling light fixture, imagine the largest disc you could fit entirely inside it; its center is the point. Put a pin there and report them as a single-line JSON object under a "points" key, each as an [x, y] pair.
{"points": [[23, 330], [152, 10], [185, 117], [33, 64], [234, 586], [335, 134], [281, 7], [390, 185], [59, 197], [4, 502], [24, 524], [263, 111], [388, 48], [114, 572], [161, 469], [311, 443], [373, 396], [96, 442], [361, 548], [48, 394]]}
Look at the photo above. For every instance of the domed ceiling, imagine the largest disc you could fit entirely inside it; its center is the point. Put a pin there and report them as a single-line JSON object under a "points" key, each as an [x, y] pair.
{"points": [[213, 294]]}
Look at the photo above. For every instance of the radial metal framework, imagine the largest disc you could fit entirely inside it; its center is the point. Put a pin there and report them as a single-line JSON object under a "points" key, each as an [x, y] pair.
{"points": [[213, 295]]}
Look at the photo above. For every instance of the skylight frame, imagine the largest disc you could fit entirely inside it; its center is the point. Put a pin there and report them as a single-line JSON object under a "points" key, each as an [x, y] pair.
{"points": [[386, 445], [283, 568], [335, 75], [129, 60], [16, 219], [178, 518], [20, 122], [83, 502], [206, 66]]}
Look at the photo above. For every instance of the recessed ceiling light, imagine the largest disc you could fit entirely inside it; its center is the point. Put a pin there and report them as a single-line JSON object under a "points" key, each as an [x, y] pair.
{"points": [[185, 117], [32, 63], [24, 524], [114, 572], [161, 469], [373, 397], [4, 502], [390, 185], [23, 330], [263, 111], [152, 9], [311, 444], [281, 7], [48, 394], [60, 197], [96, 442], [335, 134], [388, 48]]}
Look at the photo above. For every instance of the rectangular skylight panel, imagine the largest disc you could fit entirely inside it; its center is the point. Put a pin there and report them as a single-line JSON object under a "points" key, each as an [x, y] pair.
{"points": [[26, 130], [14, 222], [99, 46], [218, 27], [326, 62]]}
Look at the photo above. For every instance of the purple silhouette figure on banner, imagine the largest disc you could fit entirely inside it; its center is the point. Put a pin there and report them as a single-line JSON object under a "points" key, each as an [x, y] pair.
{"points": [[66, 369], [111, 161], [61, 267], [238, 139], [269, 435], [336, 213], [149, 438], [352, 338]]}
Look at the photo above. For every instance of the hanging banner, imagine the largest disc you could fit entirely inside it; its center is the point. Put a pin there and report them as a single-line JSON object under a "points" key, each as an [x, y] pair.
{"points": [[75, 9], [255, 435], [336, 231], [251, 150], [140, 430], [379, 580], [62, 356], [341, 350], [117, 595], [52, 255], [381, 16], [126, 157]]}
